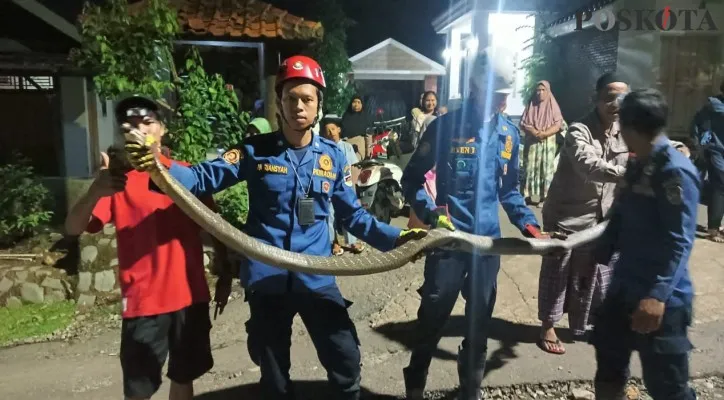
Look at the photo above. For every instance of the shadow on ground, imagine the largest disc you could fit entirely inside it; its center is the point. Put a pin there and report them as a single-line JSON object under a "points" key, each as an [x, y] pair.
{"points": [[304, 390], [508, 335]]}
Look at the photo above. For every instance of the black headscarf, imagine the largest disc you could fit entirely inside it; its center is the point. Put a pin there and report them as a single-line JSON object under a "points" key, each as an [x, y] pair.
{"points": [[355, 123]]}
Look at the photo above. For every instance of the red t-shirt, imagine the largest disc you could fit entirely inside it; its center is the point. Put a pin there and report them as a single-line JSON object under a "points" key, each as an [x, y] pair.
{"points": [[160, 253]]}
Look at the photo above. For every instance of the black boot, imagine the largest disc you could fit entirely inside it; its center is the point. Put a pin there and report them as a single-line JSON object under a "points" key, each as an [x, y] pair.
{"points": [[414, 384], [470, 374], [610, 390]]}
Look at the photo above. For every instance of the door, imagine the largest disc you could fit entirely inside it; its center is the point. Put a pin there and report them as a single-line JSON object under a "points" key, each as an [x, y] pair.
{"points": [[691, 71]]}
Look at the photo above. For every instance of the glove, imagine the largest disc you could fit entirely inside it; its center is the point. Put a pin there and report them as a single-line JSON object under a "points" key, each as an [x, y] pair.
{"points": [[442, 220], [410, 234], [139, 148]]}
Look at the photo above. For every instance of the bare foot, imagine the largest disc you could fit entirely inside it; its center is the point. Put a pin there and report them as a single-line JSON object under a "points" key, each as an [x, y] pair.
{"points": [[550, 343]]}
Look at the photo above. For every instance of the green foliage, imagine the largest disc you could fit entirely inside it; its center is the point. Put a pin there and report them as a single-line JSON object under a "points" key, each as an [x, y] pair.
{"points": [[536, 67], [233, 204], [208, 114], [24, 202], [331, 53], [128, 53]]}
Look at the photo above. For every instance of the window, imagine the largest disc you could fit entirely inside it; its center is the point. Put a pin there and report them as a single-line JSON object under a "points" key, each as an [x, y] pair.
{"points": [[29, 83]]}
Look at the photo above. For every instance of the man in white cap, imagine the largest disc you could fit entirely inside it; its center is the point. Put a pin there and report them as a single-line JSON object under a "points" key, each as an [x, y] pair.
{"points": [[476, 152]]}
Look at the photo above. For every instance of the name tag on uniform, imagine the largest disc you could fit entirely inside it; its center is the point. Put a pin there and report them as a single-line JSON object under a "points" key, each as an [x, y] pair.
{"points": [[306, 211]]}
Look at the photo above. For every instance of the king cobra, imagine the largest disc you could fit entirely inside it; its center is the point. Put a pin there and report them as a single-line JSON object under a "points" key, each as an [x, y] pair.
{"points": [[354, 265]]}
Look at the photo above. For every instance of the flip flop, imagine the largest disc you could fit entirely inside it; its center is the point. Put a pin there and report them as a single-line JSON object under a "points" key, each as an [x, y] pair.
{"points": [[543, 342]]}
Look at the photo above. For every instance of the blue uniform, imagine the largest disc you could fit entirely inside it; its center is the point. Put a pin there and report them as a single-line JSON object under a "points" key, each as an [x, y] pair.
{"points": [[477, 169], [280, 179], [653, 227]]}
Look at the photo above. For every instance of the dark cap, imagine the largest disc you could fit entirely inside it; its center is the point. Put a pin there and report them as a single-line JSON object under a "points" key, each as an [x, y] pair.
{"points": [[137, 106], [607, 79]]}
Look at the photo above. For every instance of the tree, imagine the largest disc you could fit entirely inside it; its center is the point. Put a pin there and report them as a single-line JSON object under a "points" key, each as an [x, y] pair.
{"points": [[536, 66], [331, 53], [133, 54], [128, 53]]}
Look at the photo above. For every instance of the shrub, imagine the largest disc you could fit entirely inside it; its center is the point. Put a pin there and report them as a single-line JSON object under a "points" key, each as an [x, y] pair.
{"points": [[24, 202], [233, 204]]}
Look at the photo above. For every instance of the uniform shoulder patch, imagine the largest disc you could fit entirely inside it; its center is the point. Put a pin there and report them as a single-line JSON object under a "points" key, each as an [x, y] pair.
{"points": [[674, 190], [233, 156]]}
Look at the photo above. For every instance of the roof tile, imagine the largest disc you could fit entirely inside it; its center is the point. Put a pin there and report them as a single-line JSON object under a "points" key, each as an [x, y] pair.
{"points": [[241, 18]]}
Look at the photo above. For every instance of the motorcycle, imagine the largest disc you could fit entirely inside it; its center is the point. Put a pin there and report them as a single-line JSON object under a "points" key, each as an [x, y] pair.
{"points": [[378, 183]]}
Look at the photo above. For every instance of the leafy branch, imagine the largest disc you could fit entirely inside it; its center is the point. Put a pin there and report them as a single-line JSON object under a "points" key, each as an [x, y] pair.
{"points": [[128, 53]]}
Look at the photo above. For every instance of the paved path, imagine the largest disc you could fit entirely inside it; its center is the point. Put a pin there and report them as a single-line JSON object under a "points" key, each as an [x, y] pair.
{"points": [[385, 306]]}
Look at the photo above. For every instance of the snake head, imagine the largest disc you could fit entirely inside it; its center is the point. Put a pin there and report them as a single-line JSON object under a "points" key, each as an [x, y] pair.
{"points": [[141, 148]]}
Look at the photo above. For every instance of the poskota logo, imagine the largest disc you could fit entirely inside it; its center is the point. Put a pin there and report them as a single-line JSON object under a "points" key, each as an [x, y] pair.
{"points": [[664, 19]]}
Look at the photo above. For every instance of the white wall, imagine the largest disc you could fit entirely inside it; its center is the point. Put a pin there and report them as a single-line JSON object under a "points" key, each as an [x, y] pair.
{"points": [[108, 132], [512, 30], [508, 29], [76, 140]]}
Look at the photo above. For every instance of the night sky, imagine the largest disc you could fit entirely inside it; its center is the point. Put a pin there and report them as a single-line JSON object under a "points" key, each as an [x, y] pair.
{"points": [[407, 21]]}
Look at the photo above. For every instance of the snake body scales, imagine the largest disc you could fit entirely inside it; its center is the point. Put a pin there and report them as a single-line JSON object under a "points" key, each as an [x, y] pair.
{"points": [[367, 264]]}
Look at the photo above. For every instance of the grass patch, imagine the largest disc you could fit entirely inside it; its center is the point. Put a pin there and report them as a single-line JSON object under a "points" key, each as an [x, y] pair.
{"points": [[34, 320]]}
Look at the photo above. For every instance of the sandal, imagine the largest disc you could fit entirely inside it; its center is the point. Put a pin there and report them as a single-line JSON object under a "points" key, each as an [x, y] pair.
{"points": [[337, 250], [551, 346], [716, 236], [357, 248]]}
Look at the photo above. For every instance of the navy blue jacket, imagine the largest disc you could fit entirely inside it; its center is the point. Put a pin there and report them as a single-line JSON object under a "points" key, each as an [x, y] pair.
{"points": [[477, 168], [653, 226], [268, 164]]}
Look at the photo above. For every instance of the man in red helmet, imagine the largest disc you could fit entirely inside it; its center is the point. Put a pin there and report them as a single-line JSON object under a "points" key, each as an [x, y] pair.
{"points": [[293, 178]]}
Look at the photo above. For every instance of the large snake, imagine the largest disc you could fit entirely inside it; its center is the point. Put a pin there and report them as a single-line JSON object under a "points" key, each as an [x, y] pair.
{"points": [[370, 263]]}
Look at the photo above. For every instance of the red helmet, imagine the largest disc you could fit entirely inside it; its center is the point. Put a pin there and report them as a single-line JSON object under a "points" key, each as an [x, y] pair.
{"points": [[300, 67]]}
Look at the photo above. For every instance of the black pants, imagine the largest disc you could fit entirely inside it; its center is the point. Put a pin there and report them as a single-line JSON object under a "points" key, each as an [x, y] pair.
{"points": [[183, 336], [664, 354], [446, 275], [715, 164], [330, 328]]}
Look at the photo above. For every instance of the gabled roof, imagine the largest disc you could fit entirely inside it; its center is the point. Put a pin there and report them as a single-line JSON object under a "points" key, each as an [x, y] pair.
{"points": [[390, 57], [240, 18]]}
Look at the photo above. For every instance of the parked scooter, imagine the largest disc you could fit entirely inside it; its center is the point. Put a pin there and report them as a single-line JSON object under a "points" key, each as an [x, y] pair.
{"points": [[378, 183], [379, 190]]}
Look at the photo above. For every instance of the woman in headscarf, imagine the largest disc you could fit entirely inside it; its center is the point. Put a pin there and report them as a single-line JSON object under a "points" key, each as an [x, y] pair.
{"points": [[542, 120], [355, 123], [424, 116]]}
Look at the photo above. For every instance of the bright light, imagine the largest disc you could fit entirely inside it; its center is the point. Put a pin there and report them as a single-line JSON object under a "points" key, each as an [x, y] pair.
{"points": [[472, 44], [447, 53]]}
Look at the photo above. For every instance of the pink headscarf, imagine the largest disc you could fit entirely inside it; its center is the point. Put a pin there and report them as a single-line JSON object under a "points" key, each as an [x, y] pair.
{"points": [[542, 114]]}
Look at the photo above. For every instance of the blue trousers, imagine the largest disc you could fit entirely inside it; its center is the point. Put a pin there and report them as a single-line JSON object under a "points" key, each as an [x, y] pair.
{"points": [[664, 354], [446, 275], [715, 159], [333, 333]]}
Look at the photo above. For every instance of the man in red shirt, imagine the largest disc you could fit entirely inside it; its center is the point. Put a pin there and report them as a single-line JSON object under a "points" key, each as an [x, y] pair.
{"points": [[161, 271]]}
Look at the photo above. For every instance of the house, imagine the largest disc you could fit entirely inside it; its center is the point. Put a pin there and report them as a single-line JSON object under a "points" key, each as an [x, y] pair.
{"points": [[391, 69], [471, 25], [684, 61], [226, 31], [50, 109]]}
